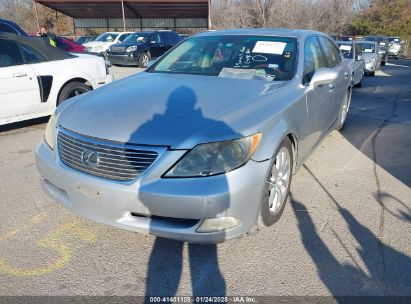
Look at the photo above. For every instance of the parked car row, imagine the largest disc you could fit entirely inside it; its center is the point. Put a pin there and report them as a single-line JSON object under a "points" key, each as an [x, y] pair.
{"points": [[35, 77]]}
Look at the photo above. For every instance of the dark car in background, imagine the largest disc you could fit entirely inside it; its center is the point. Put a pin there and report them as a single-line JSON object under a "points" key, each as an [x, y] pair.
{"points": [[7, 26], [85, 39], [139, 48], [382, 42]]}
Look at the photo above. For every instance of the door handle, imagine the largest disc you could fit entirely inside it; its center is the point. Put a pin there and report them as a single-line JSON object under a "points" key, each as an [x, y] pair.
{"points": [[331, 87], [15, 75]]}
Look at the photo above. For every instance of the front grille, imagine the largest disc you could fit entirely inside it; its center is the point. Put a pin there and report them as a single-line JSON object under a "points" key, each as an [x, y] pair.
{"points": [[113, 161]]}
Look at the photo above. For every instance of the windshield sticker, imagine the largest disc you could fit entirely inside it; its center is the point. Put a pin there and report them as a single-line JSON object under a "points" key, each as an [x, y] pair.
{"points": [[139, 39], [273, 66], [244, 57], [259, 58], [382, 43], [269, 47], [367, 51], [345, 47]]}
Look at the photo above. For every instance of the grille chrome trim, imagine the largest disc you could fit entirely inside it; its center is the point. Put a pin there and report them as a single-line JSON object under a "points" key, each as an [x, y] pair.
{"points": [[116, 161]]}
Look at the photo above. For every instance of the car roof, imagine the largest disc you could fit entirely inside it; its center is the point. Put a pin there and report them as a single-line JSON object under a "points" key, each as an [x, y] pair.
{"points": [[295, 33], [39, 44], [15, 26]]}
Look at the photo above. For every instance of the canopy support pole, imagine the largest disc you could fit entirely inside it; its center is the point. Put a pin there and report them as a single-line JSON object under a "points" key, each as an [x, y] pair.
{"points": [[124, 17]]}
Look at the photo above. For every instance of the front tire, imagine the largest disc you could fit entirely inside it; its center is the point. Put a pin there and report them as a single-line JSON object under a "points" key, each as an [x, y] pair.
{"points": [[72, 89], [277, 185], [143, 60]]}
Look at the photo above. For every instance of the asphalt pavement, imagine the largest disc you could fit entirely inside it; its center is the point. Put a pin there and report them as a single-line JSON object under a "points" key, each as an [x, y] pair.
{"points": [[346, 230]]}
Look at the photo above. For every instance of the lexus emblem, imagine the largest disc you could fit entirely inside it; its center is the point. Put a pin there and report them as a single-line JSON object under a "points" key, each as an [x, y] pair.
{"points": [[90, 158]]}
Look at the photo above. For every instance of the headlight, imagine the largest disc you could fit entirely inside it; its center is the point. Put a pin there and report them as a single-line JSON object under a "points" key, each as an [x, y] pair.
{"points": [[50, 134], [215, 158], [131, 48]]}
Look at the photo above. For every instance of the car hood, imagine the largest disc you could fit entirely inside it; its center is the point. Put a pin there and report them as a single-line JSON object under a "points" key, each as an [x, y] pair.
{"points": [[179, 111]]}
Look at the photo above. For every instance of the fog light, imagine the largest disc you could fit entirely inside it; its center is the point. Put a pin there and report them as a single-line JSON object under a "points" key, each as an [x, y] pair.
{"points": [[217, 224]]}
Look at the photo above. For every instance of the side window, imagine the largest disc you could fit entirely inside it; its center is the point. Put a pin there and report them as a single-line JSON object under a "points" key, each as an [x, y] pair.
{"points": [[31, 55], [122, 37], [331, 52], [5, 28], [313, 59], [156, 38], [10, 54]]}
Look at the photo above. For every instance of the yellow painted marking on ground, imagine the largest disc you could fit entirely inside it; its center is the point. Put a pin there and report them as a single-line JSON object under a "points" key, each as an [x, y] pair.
{"points": [[52, 242], [33, 221]]}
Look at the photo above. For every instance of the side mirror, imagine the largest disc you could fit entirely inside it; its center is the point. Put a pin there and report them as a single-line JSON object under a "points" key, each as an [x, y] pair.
{"points": [[324, 76]]}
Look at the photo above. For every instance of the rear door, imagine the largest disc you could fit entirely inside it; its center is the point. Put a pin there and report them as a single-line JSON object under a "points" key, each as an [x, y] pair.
{"points": [[19, 88], [338, 89], [156, 45]]}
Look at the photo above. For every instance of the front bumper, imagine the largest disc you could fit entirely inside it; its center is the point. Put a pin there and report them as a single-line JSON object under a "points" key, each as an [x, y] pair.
{"points": [[124, 59], [154, 205]]}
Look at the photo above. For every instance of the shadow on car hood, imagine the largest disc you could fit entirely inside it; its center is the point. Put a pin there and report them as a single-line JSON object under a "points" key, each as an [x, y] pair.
{"points": [[170, 110]]}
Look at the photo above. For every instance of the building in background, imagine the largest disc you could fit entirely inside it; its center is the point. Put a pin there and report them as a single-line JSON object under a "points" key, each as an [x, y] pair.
{"points": [[184, 16]]}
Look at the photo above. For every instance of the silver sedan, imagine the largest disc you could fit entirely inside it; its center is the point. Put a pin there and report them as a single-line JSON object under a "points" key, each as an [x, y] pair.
{"points": [[202, 146]]}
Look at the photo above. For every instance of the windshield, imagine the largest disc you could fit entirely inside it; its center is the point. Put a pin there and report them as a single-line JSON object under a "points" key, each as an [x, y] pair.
{"points": [[394, 39], [346, 50], [246, 57], [106, 37], [367, 47], [138, 37]]}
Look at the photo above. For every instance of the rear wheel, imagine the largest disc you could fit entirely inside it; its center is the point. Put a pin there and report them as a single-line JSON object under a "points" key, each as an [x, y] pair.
{"points": [[143, 60], [73, 89], [277, 185], [344, 110]]}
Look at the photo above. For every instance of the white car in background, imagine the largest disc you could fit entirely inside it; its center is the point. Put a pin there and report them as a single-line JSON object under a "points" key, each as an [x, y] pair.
{"points": [[35, 77], [103, 42], [352, 54]]}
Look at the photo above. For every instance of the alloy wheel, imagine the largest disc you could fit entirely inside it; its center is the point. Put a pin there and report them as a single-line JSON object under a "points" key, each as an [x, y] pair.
{"points": [[279, 180]]}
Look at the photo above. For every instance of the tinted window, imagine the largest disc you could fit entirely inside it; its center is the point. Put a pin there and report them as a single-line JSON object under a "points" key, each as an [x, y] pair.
{"points": [[248, 57], [31, 55], [332, 54], [313, 59], [9, 54], [5, 28], [122, 37], [156, 38]]}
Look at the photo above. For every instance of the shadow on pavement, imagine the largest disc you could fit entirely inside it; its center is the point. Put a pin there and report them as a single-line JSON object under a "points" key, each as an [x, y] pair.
{"points": [[387, 270], [379, 120]]}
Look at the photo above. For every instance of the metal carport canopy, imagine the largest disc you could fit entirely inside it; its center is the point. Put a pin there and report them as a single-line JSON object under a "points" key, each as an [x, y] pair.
{"points": [[132, 8]]}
